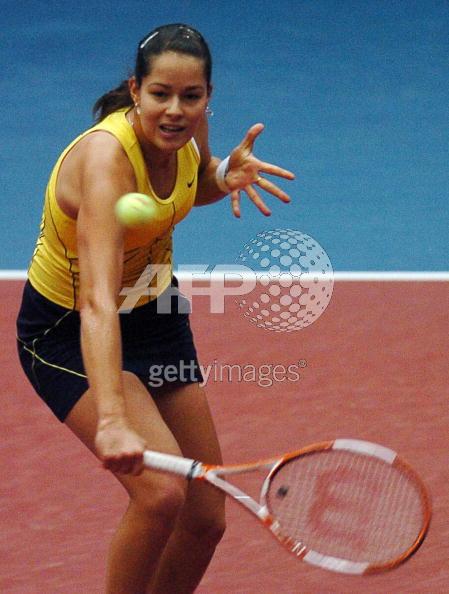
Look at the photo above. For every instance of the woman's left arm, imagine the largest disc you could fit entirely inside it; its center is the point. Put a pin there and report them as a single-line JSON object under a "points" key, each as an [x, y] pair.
{"points": [[243, 172]]}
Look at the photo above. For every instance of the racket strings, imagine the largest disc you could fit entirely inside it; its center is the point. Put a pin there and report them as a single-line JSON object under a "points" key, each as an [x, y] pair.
{"points": [[347, 505]]}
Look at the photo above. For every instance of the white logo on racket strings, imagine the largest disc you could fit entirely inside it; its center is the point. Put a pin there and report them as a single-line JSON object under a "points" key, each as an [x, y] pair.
{"points": [[294, 280]]}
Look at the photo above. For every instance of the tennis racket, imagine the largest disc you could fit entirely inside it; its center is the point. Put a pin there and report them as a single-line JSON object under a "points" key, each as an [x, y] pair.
{"points": [[347, 505]]}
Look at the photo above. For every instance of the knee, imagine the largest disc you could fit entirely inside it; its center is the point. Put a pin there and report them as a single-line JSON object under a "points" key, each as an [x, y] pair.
{"points": [[214, 529], [208, 528], [159, 499]]}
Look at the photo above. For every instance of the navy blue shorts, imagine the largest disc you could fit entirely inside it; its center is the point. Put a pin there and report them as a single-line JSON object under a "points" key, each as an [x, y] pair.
{"points": [[157, 347]]}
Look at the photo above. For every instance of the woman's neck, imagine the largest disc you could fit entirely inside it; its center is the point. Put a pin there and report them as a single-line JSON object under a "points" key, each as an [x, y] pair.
{"points": [[154, 158]]}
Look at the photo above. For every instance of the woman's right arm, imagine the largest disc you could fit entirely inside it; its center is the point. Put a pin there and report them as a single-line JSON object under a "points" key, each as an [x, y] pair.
{"points": [[105, 174]]}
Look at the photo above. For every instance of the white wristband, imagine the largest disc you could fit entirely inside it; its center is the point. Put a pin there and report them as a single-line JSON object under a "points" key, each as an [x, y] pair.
{"points": [[220, 175]]}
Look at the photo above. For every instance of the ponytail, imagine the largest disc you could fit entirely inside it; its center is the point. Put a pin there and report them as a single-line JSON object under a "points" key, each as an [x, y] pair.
{"points": [[112, 101]]}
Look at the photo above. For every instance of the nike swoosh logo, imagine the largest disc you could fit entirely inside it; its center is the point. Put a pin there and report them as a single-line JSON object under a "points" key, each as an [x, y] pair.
{"points": [[190, 184]]}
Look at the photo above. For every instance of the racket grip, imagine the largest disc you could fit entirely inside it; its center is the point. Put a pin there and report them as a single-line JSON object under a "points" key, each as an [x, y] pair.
{"points": [[185, 467]]}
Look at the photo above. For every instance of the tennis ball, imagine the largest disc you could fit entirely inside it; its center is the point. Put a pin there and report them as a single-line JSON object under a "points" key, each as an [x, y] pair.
{"points": [[136, 210]]}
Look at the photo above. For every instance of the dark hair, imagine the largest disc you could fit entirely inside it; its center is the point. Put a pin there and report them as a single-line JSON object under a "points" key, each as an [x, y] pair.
{"points": [[178, 38]]}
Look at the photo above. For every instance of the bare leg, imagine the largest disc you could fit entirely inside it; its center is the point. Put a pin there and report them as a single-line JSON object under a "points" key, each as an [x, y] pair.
{"points": [[155, 499], [201, 523]]}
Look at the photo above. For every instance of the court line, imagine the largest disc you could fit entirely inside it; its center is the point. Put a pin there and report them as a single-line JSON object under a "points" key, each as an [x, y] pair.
{"points": [[353, 276], [11, 275]]}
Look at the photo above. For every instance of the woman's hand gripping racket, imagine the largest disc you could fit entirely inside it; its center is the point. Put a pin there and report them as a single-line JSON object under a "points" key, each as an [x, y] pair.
{"points": [[346, 505]]}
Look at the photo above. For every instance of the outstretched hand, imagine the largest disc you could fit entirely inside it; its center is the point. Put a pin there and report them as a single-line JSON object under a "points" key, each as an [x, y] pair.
{"points": [[245, 172]]}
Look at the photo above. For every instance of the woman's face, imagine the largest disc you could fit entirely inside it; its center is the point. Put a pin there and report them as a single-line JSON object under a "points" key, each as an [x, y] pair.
{"points": [[173, 98]]}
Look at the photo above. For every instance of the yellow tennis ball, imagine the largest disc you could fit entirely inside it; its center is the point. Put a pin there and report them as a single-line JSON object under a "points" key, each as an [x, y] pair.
{"points": [[136, 210]]}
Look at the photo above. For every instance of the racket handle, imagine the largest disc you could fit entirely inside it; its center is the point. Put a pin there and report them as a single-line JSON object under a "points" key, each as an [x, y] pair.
{"points": [[186, 467]]}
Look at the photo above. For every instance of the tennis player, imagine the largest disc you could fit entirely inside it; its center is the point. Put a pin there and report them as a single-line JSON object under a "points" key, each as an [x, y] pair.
{"points": [[91, 364]]}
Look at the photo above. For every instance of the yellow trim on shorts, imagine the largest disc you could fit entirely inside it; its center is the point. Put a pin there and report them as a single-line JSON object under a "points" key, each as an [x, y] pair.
{"points": [[36, 356]]}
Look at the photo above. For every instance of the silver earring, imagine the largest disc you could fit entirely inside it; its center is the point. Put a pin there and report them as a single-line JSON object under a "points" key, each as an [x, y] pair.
{"points": [[137, 106], [209, 112]]}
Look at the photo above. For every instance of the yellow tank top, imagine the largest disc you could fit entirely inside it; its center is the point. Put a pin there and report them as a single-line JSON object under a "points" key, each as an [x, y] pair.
{"points": [[54, 270]]}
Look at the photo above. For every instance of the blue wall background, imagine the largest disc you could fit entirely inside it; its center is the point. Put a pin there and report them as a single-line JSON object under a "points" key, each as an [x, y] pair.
{"points": [[354, 96]]}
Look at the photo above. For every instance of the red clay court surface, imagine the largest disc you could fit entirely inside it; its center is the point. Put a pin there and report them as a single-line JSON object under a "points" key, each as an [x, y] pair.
{"points": [[377, 369]]}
